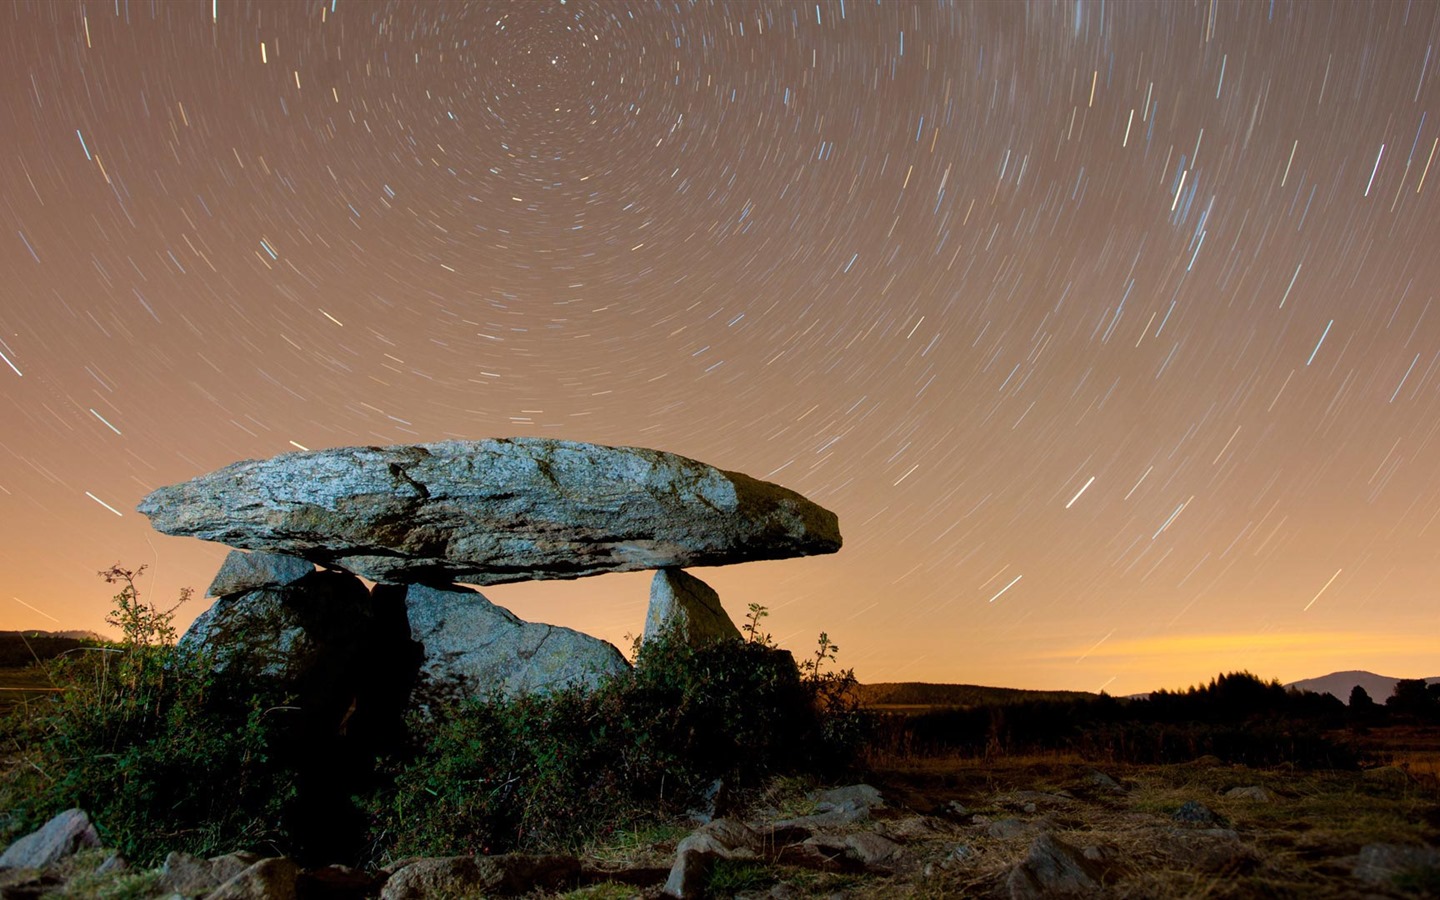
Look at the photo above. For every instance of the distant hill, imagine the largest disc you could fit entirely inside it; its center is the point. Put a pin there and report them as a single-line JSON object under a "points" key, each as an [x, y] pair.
{"points": [[21, 648], [922, 694], [1340, 684]]}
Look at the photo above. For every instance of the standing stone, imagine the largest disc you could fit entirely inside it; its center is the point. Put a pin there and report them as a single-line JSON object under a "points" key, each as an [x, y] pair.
{"points": [[471, 648], [344, 653], [253, 571], [489, 512], [688, 609]]}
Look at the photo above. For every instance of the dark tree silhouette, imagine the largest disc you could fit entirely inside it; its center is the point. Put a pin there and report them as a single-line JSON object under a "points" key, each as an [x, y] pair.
{"points": [[1412, 697]]}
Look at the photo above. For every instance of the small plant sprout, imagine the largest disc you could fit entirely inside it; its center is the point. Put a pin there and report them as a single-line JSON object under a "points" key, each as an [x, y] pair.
{"points": [[141, 624], [753, 634]]}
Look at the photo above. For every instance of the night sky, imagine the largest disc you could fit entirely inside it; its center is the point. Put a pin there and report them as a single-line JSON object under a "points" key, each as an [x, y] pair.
{"points": [[1109, 330]]}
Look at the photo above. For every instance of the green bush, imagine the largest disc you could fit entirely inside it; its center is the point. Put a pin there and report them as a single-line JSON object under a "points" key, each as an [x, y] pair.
{"points": [[143, 736], [165, 754], [563, 769]]}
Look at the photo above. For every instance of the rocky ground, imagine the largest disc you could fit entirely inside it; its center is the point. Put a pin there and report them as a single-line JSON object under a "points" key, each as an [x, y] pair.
{"points": [[934, 828]]}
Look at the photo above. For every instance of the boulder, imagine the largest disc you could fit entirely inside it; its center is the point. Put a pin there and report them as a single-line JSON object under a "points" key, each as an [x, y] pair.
{"points": [[1052, 868], [345, 650], [697, 852], [494, 511], [58, 838], [1381, 864], [838, 806], [687, 609], [1193, 812], [337, 662], [480, 876], [266, 879], [436, 876], [184, 873], [1258, 793], [251, 571], [473, 648]]}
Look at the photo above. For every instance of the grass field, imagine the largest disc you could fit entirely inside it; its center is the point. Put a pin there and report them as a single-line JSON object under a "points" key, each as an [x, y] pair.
{"points": [[17, 685]]}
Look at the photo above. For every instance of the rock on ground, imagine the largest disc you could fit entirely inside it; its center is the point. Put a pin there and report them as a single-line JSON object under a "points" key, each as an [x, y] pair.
{"points": [[184, 873], [507, 874], [1052, 868], [1382, 863], [488, 512], [472, 647], [58, 838], [266, 879], [687, 609]]}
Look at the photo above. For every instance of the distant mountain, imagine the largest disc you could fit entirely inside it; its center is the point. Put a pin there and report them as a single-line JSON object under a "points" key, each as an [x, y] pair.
{"points": [[1340, 684], [918, 693]]}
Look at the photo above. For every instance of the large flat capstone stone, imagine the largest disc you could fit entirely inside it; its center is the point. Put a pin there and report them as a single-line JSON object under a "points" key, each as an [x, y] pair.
{"points": [[494, 511]]}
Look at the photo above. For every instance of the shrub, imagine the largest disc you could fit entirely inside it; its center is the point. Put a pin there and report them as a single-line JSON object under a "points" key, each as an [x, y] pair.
{"points": [[144, 737], [562, 769], [166, 754]]}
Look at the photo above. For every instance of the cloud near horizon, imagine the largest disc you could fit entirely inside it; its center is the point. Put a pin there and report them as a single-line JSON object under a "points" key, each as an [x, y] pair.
{"points": [[1253, 650]]}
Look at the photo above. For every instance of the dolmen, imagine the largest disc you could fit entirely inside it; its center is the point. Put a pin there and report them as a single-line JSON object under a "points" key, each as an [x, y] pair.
{"points": [[421, 520]]}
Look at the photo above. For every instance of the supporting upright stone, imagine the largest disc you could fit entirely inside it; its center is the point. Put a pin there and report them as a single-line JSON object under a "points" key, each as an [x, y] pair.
{"points": [[243, 571], [473, 648], [687, 609]]}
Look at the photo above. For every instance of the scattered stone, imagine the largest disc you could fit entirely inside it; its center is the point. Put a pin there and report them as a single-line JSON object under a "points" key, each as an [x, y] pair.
{"points": [[912, 828], [1096, 853], [436, 876], [184, 873], [847, 813], [822, 852], [337, 882], [471, 647], [467, 876], [1052, 868], [1097, 778], [114, 864], [687, 609], [252, 571], [489, 512], [722, 839], [960, 853], [1256, 792], [1005, 829], [58, 838], [687, 876], [1193, 812], [956, 808], [1211, 850], [1380, 864], [853, 795], [521, 873], [838, 806], [1390, 775], [266, 879], [872, 849]]}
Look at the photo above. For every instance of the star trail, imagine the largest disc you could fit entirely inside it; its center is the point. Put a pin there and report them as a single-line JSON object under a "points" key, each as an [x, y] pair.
{"points": [[1107, 329]]}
